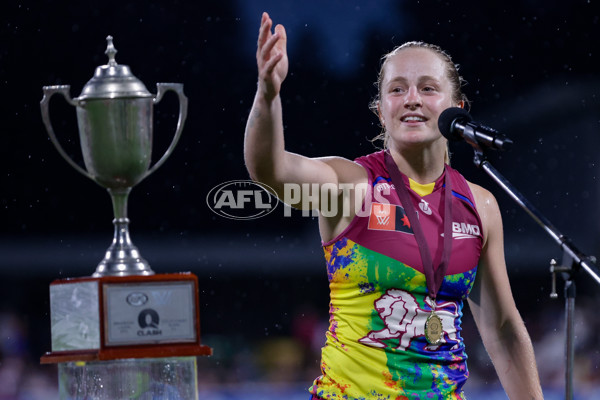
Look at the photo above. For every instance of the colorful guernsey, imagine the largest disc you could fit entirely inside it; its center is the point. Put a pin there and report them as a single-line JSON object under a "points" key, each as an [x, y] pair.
{"points": [[376, 348]]}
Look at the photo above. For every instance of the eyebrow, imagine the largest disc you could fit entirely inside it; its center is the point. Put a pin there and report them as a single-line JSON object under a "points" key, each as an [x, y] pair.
{"points": [[421, 79]]}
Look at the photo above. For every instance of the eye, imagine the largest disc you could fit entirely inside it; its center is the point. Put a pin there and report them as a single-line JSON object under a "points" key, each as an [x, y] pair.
{"points": [[396, 89], [428, 89]]}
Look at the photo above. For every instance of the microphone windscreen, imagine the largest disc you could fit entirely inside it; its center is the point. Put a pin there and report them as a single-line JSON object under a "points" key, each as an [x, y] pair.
{"points": [[447, 119]]}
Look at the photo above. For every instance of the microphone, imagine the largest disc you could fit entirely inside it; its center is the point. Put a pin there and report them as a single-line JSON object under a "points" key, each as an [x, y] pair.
{"points": [[457, 124]]}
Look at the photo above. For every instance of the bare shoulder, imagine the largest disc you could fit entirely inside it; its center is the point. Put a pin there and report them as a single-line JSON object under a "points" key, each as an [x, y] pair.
{"points": [[488, 209], [483, 197]]}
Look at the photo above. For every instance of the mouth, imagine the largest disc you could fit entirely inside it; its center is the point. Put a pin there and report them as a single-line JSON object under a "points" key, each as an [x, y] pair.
{"points": [[413, 118]]}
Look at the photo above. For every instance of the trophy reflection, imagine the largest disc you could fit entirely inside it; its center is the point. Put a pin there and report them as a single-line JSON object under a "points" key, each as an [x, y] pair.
{"points": [[123, 318]]}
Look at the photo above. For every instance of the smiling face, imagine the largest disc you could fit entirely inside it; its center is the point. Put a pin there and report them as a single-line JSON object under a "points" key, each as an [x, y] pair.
{"points": [[414, 91]]}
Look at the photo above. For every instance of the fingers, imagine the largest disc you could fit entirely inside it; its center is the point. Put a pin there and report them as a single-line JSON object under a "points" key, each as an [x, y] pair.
{"points": [[264, 32], [271, 56], [265, 51], [268, 41], [280, 30], [270, 65]]}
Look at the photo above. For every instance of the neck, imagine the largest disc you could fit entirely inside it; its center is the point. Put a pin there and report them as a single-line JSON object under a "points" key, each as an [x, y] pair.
{"points": [[422, 165]]}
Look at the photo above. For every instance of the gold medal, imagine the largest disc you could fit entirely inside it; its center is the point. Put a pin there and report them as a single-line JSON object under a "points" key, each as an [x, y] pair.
{"points": [[433, 328]]}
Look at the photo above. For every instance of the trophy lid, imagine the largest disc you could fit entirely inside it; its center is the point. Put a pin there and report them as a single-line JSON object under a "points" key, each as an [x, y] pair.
{"points": [[113, 80]]}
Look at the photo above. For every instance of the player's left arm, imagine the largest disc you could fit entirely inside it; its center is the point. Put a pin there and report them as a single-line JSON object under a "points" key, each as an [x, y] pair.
{"points": [[491, 301]]}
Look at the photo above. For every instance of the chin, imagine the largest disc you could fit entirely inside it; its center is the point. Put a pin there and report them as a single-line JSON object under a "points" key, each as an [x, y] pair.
{"points": [[418, 137]]}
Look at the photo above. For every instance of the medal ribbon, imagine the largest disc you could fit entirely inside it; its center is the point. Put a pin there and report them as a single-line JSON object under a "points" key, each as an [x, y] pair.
{"points": [[433, 278]]}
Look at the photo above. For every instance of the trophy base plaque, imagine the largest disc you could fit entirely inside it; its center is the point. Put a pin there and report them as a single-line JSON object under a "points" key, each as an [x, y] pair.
{"points": [[110, 318]]}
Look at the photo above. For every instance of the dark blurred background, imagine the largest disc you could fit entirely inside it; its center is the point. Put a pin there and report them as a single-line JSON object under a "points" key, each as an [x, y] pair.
{"points": [[533, 73]]}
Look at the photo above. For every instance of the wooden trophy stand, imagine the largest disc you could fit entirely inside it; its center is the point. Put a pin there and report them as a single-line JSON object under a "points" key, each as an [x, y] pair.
{"points": [[126, 337], [113, 317]]}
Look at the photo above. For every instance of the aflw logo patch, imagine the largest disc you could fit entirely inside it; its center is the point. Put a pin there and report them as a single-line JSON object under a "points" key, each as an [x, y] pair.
{"points": [[388, 217]]}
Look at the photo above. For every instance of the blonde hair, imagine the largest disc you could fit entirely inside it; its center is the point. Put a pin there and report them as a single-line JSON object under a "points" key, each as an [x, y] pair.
{"points": [[456, 83]]}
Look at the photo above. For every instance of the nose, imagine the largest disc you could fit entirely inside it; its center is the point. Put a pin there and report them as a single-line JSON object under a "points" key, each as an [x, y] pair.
{"points": [[412, 99]]}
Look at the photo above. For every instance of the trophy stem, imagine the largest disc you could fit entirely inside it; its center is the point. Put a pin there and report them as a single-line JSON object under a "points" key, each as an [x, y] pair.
{"points": [[122, 258], [119, 199]]}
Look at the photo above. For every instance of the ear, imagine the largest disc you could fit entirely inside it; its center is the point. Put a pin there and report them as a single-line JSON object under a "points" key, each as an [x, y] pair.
{"points": [[381, 121], [461, 104]]}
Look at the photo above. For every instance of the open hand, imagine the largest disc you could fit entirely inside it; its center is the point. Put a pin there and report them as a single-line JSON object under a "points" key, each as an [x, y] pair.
{"points": [[271, 57]]}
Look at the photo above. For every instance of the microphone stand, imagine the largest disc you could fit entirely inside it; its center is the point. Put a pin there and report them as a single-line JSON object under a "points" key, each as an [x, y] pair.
{"points": [[573, 260]]}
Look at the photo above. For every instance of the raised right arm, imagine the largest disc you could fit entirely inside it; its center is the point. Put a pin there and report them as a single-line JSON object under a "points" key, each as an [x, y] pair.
{"points": [[264, 150]]}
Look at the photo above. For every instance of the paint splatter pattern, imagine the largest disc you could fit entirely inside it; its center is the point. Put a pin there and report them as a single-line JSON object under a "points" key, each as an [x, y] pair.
{"points": [[375, 346]]}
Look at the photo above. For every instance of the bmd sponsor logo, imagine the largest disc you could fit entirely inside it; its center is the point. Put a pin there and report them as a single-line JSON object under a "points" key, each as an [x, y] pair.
{"points": [[241, 200], [462, 230], [465, 231]]}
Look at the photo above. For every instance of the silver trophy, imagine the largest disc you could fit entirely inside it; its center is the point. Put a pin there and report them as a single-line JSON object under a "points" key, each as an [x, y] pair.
{"points": [[114, 115]]}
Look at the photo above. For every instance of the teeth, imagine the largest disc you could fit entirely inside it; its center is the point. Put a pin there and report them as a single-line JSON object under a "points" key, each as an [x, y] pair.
{"points": [[414, 118]]}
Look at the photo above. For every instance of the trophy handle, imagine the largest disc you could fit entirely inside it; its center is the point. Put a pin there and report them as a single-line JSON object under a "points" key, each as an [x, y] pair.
{"points": [[49, 91], [162, 88]]}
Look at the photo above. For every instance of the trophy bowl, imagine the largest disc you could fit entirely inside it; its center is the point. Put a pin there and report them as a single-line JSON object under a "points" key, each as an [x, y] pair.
{"points": [[114, 118], [116, 139]]}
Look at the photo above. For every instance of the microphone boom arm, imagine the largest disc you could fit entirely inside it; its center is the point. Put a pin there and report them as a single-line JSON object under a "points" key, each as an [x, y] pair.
{"points": [[573, 259]]}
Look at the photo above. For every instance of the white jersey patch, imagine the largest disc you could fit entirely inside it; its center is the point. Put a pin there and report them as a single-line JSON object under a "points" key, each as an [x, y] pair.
{"points": [[405, 320]]}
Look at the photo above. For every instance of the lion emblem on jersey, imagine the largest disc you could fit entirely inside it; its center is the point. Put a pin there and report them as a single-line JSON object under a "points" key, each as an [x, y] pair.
{"points": [[405, 320]]}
